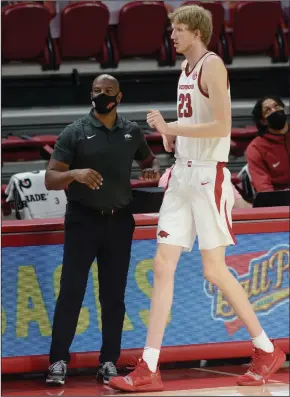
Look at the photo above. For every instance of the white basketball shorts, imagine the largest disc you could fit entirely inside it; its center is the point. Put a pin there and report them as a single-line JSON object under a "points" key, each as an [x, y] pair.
{"points": [[198, 202]]}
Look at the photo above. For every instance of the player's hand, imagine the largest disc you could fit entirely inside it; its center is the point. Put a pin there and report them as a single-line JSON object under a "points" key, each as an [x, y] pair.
{"points": [[168, 143], [89, 177], [149, 174], [155, 120]]}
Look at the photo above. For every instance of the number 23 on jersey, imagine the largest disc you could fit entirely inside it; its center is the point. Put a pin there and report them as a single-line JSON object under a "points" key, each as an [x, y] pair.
{"points": [[184, 105]]}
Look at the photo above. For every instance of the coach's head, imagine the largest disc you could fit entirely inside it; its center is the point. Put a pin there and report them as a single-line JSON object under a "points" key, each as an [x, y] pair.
{"points": [[105, 94]]}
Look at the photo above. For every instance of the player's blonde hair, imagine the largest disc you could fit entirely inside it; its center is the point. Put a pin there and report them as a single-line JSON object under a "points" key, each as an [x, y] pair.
{"points": [[196, 18]]}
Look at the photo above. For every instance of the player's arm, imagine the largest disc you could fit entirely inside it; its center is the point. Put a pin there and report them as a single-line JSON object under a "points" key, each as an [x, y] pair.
{"points": [[168, 140], [182, 69], [183, 65], [216, 78], [146, 160]]}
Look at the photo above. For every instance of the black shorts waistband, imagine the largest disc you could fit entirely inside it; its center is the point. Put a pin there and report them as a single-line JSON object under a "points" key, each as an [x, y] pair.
{"points": [[73, 206]]}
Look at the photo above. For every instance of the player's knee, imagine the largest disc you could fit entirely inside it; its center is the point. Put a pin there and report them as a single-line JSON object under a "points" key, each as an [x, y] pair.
{"points": [[210, 276], [163, 267], [214, 272]]}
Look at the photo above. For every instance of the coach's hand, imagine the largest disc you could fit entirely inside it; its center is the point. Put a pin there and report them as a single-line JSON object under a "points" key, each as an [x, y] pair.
{"points": [[156, 120], [89, 177]]}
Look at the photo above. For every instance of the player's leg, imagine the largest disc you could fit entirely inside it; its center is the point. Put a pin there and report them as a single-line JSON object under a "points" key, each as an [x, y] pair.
{"points": [[216, 272], [146, 377], [175, 231], [268, 357], [212, 209], [165, 262]]}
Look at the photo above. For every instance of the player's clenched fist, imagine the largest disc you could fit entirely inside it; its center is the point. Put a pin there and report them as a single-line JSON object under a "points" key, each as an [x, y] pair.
{"points": [[156, 120], [89, 177]]}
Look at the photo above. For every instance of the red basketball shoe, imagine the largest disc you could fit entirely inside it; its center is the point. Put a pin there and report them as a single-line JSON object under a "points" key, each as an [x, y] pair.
{"points": [[263, 365], [139, 380]]}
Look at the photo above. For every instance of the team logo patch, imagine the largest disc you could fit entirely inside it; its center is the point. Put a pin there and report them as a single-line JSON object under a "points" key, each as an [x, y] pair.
{"points": [[194, 76], [110, 105], [163, 234]]}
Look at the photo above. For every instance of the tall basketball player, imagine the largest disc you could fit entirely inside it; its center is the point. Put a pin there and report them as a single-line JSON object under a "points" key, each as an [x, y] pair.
{"points": [[198, 201]]}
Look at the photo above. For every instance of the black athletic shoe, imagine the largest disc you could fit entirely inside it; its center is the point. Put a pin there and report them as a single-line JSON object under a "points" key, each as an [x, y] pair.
{"points": [[106, 372], [56, 374]]}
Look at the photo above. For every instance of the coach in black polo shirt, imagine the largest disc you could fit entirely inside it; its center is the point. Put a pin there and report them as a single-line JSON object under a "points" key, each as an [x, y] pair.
{"points": [[93, 157]]}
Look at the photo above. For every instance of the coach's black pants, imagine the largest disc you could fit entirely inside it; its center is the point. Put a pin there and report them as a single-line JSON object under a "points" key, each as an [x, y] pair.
{"points": [[89, 234]]}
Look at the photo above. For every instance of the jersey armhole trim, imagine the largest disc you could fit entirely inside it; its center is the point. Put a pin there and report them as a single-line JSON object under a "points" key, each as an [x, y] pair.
{"points": [[205, 94]]}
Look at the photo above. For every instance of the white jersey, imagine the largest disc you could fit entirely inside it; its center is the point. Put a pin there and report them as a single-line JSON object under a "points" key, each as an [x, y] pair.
{"points": [[193, 108]]}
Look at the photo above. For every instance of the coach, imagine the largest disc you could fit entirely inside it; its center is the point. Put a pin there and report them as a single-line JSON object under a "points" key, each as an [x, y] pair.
{"points": [[93, 158]]}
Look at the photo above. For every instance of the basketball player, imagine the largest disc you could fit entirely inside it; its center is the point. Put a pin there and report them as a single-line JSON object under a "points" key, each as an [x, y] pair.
{"points": [[198, 201]]}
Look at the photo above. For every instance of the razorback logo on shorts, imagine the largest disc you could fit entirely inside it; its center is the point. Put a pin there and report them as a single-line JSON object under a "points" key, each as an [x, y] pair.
{"points": [[162, 234]]}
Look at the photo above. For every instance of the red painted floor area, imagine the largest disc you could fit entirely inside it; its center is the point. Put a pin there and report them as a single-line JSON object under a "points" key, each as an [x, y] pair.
{"points": [[196, 381]]}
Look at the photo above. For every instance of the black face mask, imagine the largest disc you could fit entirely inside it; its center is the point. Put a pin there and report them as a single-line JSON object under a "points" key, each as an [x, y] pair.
{"points": [[277, 120], [103, 103]]}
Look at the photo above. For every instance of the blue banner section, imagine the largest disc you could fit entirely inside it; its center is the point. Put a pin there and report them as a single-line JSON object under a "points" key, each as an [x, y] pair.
{"points": [[200, 313]]}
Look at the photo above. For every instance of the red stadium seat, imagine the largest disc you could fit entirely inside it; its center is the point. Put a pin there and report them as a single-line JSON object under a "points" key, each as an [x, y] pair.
{"points": [[155, 142], [240, 139], [142, 32], [3, 188], [5, 207], [257, 28], [33, 148], [84, 33], [235, 179], [44, 139], [139, 183], [219, 41], [46, 144], [18, 149], [25, 34]]}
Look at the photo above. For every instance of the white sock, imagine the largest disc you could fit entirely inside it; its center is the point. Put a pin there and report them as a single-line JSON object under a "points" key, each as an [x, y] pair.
{"points": [[151, 357], [263, 342]]}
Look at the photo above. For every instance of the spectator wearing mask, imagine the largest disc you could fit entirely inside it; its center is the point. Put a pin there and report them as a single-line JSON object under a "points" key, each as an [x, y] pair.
{"points": [[268, 155]]}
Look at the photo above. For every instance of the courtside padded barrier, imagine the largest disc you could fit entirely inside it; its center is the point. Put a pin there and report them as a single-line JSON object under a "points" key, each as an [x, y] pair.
{"points": [[201, 324]]}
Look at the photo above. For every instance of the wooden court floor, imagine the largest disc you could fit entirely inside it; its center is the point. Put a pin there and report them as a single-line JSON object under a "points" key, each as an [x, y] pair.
{"points": [[213, 381]]}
